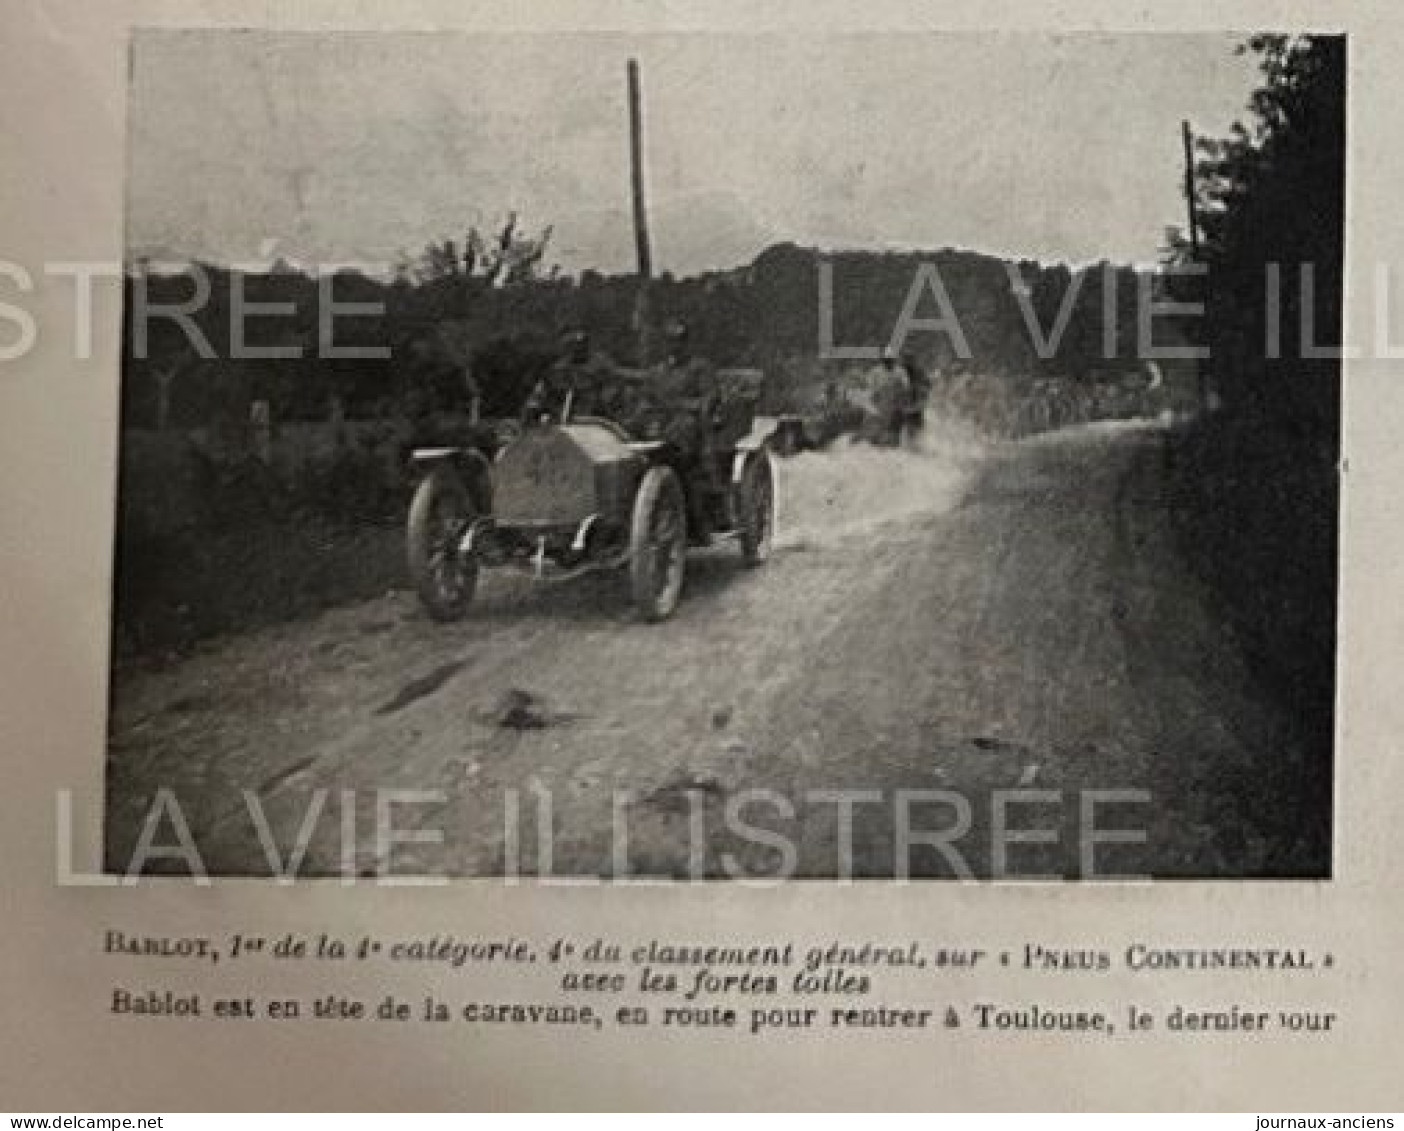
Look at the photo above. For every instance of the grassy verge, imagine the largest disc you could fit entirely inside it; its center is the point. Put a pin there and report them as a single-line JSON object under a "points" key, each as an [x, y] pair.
{"points": [[174, 591], [1256, 512]]}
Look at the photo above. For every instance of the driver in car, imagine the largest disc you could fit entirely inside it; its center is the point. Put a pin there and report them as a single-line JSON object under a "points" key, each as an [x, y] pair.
{"points": [[576, 384], [687, 386]]}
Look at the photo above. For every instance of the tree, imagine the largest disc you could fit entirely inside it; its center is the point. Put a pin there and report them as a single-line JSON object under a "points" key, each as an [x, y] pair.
{"points": [[508, 257], [1260, 488], [1272, 200]]}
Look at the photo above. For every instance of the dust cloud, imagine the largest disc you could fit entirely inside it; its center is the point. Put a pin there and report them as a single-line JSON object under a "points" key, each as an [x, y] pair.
{"points": [[852, 487]]}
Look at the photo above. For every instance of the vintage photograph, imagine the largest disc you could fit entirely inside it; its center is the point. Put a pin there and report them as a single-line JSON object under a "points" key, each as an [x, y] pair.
{"points": [[728, 457]]}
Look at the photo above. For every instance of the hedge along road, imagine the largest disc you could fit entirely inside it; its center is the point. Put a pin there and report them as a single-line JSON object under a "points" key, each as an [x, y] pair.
{"points": [[964, 643]]}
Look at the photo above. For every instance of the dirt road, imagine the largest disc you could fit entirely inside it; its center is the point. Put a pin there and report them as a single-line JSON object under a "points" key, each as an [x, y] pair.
{"points": [[963, 640]]}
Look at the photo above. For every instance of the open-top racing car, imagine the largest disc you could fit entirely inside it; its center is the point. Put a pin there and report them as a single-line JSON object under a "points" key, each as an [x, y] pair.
{"points": [[572, 494]]}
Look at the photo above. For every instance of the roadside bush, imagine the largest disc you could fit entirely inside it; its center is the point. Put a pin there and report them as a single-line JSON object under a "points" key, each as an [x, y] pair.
{"points": [[211, 540]]}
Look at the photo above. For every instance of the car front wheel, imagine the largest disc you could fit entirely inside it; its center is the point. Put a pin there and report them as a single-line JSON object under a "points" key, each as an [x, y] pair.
{"points": [[657, 544], [439, 516]]}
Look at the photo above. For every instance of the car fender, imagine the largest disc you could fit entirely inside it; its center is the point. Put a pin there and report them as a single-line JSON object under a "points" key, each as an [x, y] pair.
{"points": [[472, 464], [770, 434]]}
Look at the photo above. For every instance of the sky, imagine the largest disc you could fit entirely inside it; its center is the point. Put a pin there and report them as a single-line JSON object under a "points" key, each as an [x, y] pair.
{"points": [[337, 147]]}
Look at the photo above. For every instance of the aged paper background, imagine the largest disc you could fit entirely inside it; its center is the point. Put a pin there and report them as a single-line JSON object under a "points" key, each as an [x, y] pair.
{"points": [[62, 129]]}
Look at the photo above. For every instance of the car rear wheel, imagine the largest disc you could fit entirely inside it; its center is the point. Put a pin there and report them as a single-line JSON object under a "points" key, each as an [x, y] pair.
{"points": [[756, 509], [439, 516], [657, 544]]}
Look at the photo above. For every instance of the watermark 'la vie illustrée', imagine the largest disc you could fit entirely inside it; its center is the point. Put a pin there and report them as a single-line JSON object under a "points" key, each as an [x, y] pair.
{"points": [[753, 836], [1288, 294]]}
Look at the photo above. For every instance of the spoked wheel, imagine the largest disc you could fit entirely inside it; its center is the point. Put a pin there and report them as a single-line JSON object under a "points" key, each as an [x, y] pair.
{"points": [[658, 544], [755, 505], [439, 516]]}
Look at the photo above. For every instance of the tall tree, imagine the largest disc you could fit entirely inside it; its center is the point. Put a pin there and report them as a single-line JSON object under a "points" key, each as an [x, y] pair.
{"points": [[1272, 207]]}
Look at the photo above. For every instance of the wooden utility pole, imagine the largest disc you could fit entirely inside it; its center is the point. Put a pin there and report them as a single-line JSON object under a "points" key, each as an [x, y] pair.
{"points": [[642, 249], [641, 244], [1204, 377], [1192, 210]]}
